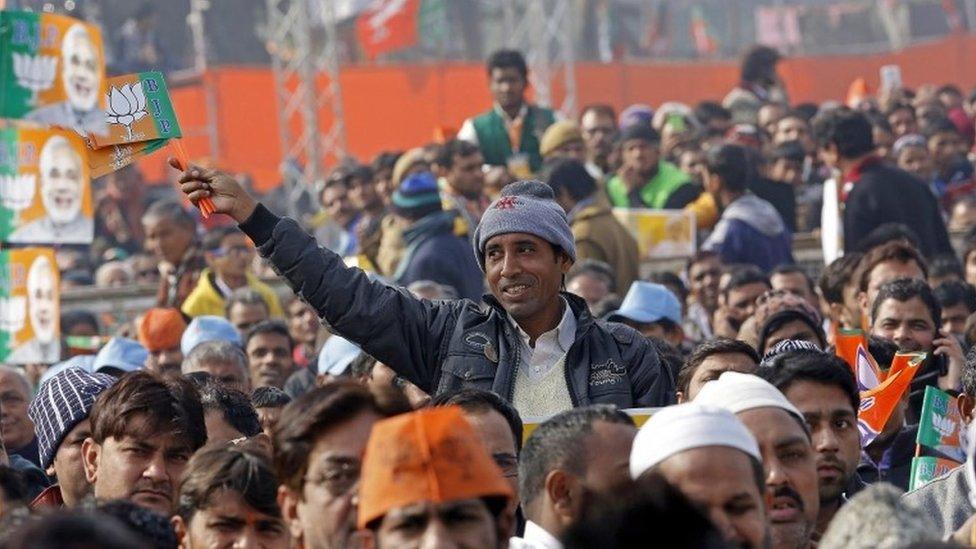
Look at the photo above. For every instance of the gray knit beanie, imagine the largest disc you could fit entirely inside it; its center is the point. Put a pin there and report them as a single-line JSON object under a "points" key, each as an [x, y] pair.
{"points": [[525, 207]]}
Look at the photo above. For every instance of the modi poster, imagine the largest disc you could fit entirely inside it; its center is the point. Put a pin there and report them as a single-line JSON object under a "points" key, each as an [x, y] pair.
{"points": [[660, 234], [45, 187], [29, 307], [52, 71]]}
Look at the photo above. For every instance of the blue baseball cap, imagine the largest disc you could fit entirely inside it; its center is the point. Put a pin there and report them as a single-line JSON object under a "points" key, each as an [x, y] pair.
{"points": [[648, 302], [121, 353], [82, 362], [208, 328]]}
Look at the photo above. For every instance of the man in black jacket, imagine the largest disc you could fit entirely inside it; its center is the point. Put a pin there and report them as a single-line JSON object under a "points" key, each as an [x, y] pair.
{"points": [[873, 192], [534, 345]]}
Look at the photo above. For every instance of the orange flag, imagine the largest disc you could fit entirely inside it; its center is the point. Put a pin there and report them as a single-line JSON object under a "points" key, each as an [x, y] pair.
{"points": [[852, 346], [878, 403]]}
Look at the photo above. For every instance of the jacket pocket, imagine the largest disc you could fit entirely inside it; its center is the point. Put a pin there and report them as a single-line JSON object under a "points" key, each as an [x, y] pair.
{"points": [[466, 371]]}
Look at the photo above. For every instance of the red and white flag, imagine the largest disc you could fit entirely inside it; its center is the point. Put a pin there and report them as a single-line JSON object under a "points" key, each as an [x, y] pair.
{"points": [[388, 25]]}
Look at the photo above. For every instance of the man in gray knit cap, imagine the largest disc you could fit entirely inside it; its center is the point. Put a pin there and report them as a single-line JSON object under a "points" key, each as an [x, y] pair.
{"points": [[60, 415], [533, 344]]}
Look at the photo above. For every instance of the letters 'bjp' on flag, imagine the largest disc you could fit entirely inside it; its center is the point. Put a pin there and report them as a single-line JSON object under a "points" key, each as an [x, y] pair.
{"points": [[877, 404], [388, 25]]}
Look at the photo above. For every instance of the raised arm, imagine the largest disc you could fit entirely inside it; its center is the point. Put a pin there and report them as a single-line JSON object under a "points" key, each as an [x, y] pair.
{"points": [[391, 325]]}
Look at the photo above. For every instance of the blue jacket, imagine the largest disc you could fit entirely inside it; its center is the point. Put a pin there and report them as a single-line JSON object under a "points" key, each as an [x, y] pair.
{"points": [[751, 231], [434, 252], [447, 346]]}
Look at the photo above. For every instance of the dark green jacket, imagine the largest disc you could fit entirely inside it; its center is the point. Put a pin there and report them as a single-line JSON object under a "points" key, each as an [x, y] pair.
{"points": [[493, 137]]}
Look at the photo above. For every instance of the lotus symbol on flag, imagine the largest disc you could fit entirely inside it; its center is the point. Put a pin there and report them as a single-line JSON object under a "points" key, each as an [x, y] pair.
{"points": [[943, 425], [126, 105], [17, 191], [13, 313], [35, 72]]}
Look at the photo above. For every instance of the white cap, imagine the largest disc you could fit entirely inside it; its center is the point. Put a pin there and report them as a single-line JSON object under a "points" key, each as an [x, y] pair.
{"points": [[676, 429], [738, 392]]}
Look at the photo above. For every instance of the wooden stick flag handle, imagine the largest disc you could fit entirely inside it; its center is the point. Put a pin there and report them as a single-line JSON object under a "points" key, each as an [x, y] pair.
{"points": [[205, 204]]}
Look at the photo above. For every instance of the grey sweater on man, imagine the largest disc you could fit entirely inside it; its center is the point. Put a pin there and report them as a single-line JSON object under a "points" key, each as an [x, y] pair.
{"points": [[945, 500]]}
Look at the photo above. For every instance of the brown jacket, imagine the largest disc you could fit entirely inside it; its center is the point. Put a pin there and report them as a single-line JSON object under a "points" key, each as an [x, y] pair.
{"points": [[600, 236]]}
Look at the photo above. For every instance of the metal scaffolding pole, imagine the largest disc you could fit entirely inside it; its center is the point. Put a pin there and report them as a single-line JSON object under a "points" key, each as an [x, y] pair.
{"points": [[543, 31], [303, 42]]}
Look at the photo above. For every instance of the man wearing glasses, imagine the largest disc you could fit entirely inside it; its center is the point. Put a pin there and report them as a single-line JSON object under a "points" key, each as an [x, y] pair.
{"points": [[229, 255], [318, 450]]}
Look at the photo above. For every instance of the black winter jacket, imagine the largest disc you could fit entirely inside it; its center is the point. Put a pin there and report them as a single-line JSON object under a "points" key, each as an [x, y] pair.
{"points": [[446, 346]]}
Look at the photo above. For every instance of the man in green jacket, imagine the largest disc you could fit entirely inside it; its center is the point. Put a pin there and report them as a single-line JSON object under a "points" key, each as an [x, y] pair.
{"points": [[509, 133], [645, 180]]}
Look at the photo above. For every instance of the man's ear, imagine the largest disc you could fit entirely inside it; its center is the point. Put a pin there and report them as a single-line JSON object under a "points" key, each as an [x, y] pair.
{"points": [[89, 456], [180, 529], [559, 489], [862, 302], [288, 502], [966, 403]]}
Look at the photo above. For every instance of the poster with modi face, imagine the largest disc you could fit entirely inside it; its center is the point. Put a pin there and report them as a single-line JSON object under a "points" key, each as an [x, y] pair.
{"points": [[29, 307], [52, 71], [45, 188]]}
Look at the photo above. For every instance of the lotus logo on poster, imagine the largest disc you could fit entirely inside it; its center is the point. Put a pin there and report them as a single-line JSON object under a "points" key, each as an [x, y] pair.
{"points": [[13, 313], [17, 191], [35, 73]]}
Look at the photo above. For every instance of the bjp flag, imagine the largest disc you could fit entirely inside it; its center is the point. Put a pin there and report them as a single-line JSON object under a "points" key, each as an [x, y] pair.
{"points": [[878, 403], [852, 346], [388, 25]]}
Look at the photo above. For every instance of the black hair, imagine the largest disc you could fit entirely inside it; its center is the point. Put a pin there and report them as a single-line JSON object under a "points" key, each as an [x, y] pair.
{"points": [[268, 327], [386, 160], [560, 443], [888, 232], [454, 147], [954, 292], [935, 126], [901, 106], [645, 509], [706, 111], [668, 354], [788, 150], [795, 269], [806, 110], [480, 401], [170, 209], [743, 275], [848, 130], [52, 530], [153, 529], [878, 120], [837, 275], [233, 405], [715, 346], [732, 164], [269, 397], [596, 268], [507, 59], [572, 176], [70, 319], [213, 237], [13, 484], [758, 62], [670, 280], [701, 255], [883, 350], [946, 265], [950, 89], [904, 289], [806, 365], [601, 109]]}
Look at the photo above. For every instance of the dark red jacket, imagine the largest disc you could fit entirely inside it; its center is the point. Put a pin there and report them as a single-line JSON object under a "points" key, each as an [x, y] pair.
{"points": [[49, 498]]}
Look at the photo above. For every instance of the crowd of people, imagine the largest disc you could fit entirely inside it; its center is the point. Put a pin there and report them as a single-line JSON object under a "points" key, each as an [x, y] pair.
{"points": [[468, 323]]}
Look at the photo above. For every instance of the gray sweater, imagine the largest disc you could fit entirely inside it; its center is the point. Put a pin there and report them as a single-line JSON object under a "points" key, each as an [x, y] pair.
{"points": [[944, 500]]}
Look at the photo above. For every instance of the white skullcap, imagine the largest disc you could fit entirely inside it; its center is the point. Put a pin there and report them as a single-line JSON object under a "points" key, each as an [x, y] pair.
{"points": [[675, 429], [738, 392]]}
